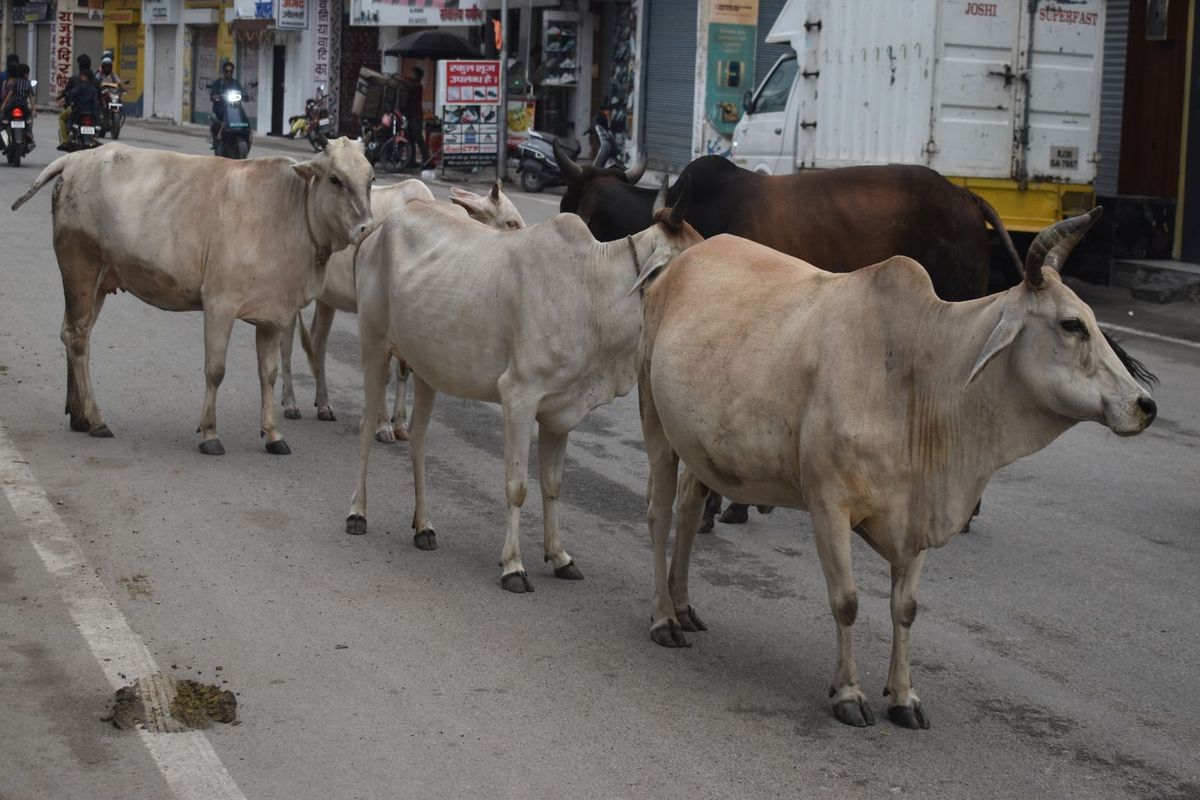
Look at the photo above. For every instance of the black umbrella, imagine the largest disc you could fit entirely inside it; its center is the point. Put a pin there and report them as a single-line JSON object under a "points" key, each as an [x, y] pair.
{"points": [[432, 44]]}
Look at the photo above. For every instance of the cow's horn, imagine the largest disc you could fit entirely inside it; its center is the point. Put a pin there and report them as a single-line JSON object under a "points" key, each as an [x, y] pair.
{"points": [[1054, 244], [569, 169], [660, 199], [495, 194], [634, 175], [679, 210]]}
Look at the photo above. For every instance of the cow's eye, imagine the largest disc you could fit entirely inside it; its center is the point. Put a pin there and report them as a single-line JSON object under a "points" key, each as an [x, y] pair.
{"points": [[335, 180], [1073, 325], [512, 224]]}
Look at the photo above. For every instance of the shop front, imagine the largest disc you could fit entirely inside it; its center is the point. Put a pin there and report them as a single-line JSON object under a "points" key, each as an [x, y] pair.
{"points": [[161, 53], [123, 35]]}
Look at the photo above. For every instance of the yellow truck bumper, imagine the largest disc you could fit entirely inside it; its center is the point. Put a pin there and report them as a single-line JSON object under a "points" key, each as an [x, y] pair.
{"points": [[1037, 205]]}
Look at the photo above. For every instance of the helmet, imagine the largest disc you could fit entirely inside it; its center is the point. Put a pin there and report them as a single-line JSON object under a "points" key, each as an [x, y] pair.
{"points": [[107, 58]]}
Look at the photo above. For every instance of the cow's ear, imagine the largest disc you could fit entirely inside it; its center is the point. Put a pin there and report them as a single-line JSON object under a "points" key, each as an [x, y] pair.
{"points": [[1003, 335], [654, 264], [305, 169], [472, 202]]}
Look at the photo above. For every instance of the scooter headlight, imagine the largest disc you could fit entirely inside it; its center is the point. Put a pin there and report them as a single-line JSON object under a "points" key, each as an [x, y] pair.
{"points": [[233, 96]]}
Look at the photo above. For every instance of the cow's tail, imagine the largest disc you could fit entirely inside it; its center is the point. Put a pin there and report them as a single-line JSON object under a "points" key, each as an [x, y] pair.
{"points": [[48, 174], [1013, 270]]}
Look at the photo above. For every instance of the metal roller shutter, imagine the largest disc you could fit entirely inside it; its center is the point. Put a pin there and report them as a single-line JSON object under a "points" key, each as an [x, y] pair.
{"points": [[670, 74], [766, 55], [1112, 95]]}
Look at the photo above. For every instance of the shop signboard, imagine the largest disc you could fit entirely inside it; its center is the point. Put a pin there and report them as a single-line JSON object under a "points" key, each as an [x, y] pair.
{"points": [[62, 50], [322, 45], [732, 28], [424, 13], [469, 98], [292, 15], [161, 12]]}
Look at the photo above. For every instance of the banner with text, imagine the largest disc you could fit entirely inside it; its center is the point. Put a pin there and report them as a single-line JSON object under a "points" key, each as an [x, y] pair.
{"points": [[416, 12], [470, 95]]}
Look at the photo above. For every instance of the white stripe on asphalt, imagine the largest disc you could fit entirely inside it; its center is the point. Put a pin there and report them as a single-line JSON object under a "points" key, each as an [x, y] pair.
{"points": [[1148, 335], [187, 760]]}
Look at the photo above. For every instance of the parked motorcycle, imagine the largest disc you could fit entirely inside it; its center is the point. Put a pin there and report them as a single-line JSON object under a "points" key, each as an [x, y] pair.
{"points": [[112, 114], [15, 138], [538, 169], [233, 137], [319, 124], [387, 143]]}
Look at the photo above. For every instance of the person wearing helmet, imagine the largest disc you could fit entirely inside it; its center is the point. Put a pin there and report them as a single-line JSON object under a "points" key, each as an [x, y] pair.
{"points": [[107, 74]]}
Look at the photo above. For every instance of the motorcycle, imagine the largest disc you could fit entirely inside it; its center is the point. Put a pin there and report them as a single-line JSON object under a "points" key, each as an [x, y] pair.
{"points": [[15, 141], [538, 169], [232, 139], [81, 134], [387, 143], [112, 115], [319, 125]]}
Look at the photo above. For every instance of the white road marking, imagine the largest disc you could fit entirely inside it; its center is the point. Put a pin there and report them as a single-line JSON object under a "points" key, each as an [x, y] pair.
{"points": [[1148, 335], [187, 760]]}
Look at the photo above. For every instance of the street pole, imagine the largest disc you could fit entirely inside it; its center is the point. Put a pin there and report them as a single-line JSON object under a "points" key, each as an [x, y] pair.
{"points": [[502, 154]]}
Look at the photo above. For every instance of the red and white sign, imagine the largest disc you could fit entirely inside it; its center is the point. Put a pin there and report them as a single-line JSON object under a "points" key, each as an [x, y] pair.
{"points": [[321, 45], [62, 49], [292, 14], [473, 82]]}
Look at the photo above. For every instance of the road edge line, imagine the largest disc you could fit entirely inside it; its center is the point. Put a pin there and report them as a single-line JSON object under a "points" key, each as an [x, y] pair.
{"points": [[1159, 337], [186, 760]]}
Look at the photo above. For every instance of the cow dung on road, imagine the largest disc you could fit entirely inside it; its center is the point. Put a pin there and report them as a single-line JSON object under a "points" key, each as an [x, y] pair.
{"points": [[164, 704]]}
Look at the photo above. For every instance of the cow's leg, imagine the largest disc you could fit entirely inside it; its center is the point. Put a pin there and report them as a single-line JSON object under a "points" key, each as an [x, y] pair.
{"points": [[266, 339], [84, 299], [689, 504], [374, 355], [712, 507], [519, 413], [905, 709], [383, 421], [399, 425], [831, 529], [552, 452], [322, 324], [218, 325], [665, 629], [287, 397], [424, 537]]}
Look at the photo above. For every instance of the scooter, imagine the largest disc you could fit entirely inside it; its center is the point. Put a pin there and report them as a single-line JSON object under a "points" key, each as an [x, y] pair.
{"points": [[112, 116], [387, 143], [232, 139], [319, 127], [608, 155], [538, 169], [15, 139]]}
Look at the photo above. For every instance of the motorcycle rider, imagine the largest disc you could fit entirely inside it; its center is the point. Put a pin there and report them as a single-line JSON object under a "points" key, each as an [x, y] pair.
{"points": [[217, 90], [107, 74], [17, 90], [10, 67], [85, 63], [83, 98]]}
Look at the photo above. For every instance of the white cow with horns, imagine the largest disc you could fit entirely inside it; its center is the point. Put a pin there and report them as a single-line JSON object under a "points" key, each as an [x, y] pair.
{"points": [[235, 239], [494, 209], [542, 321], [865, 400]]}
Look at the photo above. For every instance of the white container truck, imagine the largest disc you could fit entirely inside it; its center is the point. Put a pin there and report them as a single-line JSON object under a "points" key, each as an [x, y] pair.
{"points": [[1001, 97]]}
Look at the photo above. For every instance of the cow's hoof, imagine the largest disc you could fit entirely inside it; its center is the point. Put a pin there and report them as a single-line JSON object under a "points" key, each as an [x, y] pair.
{"points": [[765, 509], [736, 514], [401, 433], [909, 717], [854, 711], [668, 633], [101, 432], [80, 425], [426, 540], [706, 526], [568, 571], [385, 436], [291, 412], [516, 582], [690, 621], [326, 415], [212, 447], [356, 525], [966, 528], [279, 448]]}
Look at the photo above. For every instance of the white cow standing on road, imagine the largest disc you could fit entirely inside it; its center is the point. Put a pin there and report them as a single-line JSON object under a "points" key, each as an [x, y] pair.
{"points": [[541, 321], [235, 239], [865, 400], [494, 209]]}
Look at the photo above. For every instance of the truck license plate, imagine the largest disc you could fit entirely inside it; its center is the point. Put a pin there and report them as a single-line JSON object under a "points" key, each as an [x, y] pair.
{"points": [[87, 130]]}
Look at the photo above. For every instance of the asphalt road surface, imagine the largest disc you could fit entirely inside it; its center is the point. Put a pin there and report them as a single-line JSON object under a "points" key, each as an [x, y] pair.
{"points": [[1055, 649]]}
